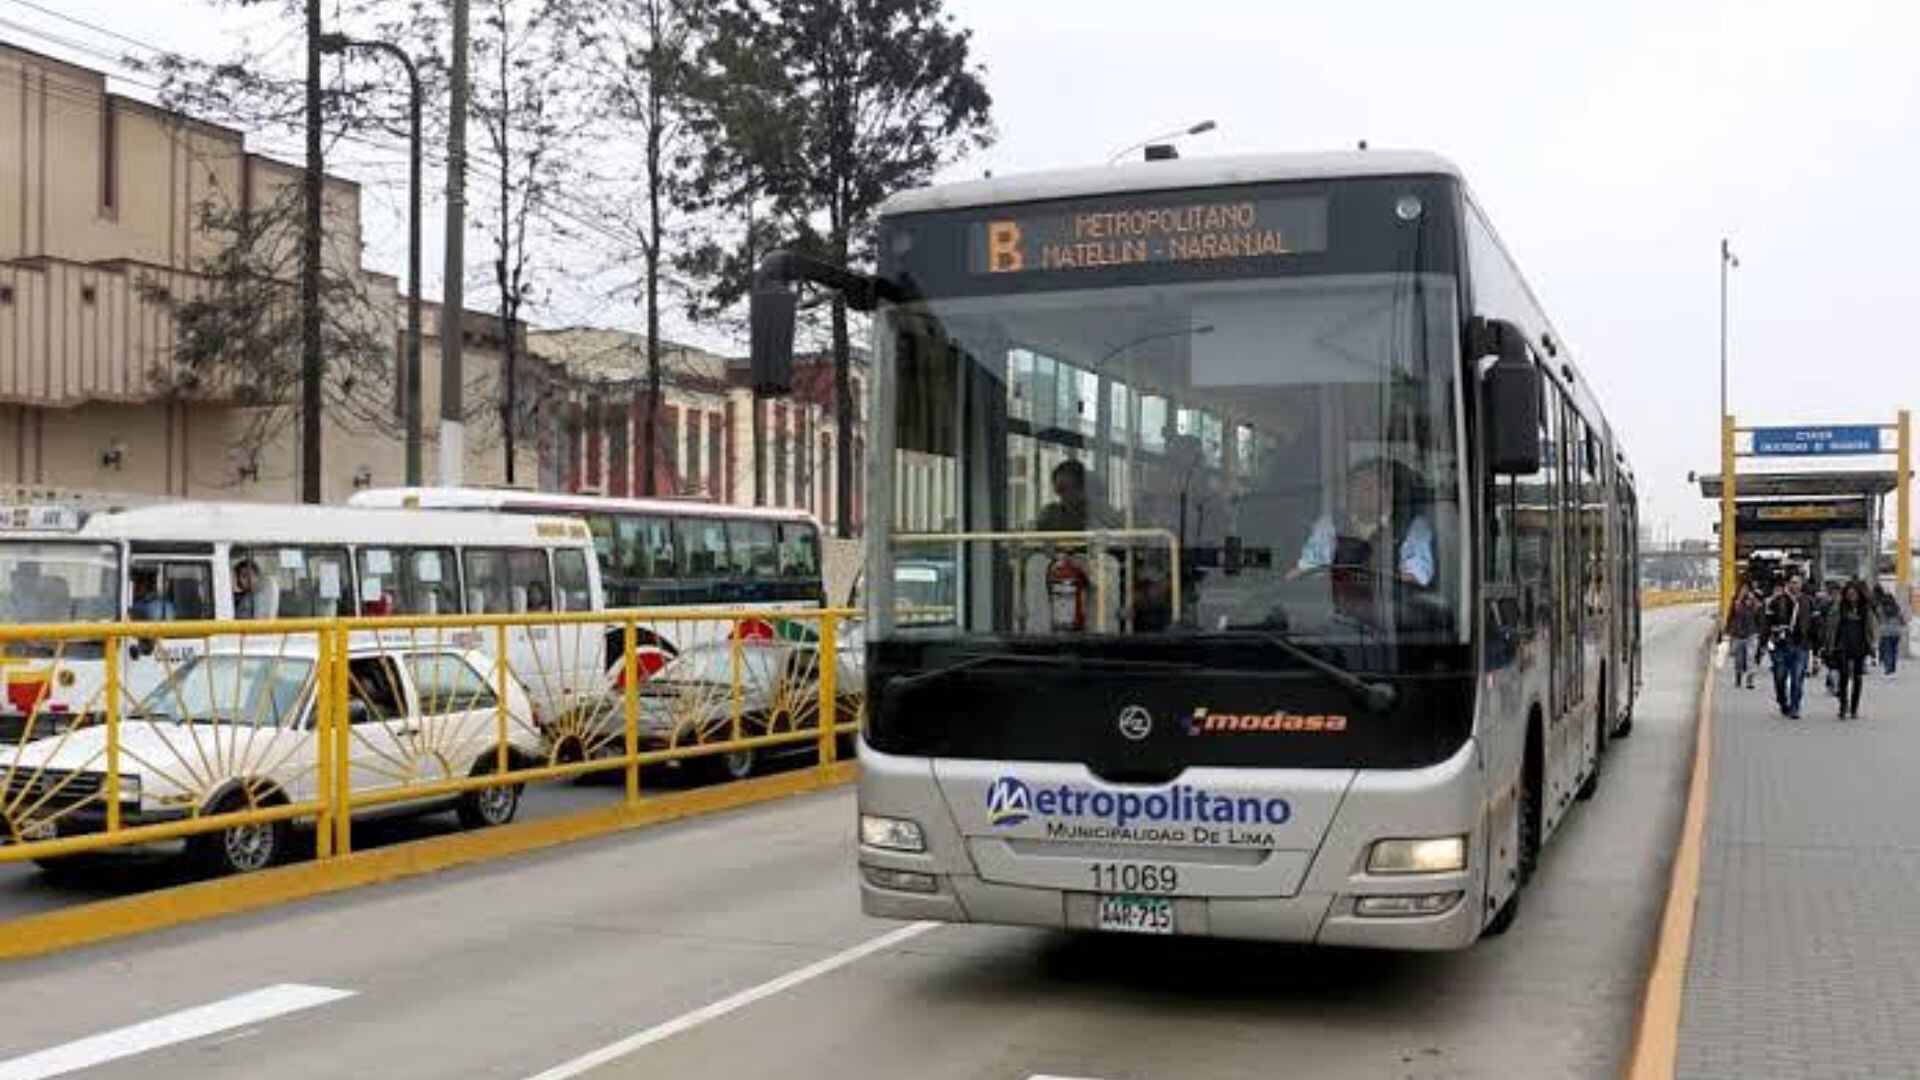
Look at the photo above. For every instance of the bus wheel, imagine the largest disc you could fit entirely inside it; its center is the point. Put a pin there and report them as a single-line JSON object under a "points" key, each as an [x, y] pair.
{"points": [[1533, 776], [1591, 784]]}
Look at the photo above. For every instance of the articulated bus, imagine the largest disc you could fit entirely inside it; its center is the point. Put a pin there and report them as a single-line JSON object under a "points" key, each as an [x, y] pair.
{"points": [[1290, 585], [242, 561]]}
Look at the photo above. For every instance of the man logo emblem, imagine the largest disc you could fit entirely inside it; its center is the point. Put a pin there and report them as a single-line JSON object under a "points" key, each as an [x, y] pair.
{"points": [[1136, 722]]}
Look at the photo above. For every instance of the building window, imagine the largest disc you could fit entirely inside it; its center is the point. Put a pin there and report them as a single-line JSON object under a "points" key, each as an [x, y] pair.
{"points": [[109, 157], [716, 467], [89, 294], [6, 294], [780, 455], [691, 470]]}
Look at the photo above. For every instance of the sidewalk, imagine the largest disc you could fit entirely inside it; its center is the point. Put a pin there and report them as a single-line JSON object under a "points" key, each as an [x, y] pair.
{"points": [[1806, 949]]}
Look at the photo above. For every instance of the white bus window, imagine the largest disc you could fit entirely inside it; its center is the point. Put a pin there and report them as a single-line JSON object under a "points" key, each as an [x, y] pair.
{"points": [[504, 580], [58, 581], [407, 581], [755, 552], [170, 590], [286, 582], [570, 580], [705, 541]]}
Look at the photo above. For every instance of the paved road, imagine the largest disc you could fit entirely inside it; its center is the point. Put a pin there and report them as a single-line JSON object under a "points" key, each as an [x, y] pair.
{"points": [[510, 969], [25, 889], [1806, 948]]}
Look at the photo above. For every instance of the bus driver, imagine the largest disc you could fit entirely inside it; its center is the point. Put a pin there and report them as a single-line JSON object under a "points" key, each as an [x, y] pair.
{"points": [[1368, 518]]}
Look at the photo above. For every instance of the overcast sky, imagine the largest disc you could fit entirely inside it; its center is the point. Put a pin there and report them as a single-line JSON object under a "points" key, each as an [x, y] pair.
{"points": [[1613, 143]]}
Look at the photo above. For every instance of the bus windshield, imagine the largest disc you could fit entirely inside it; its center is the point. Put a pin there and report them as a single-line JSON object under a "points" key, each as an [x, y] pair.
{"points": [[58, 581], [1272, 455]]}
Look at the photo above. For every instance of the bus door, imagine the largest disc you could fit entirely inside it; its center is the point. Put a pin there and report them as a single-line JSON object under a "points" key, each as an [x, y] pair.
{"points": [[166, 583]]}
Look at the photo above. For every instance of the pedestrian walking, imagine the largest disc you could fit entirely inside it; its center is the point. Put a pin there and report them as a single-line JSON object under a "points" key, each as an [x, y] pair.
{"points": [[1851, 635], [1891, 614], [1789, 625], [1824, 602], [1744, 623]]}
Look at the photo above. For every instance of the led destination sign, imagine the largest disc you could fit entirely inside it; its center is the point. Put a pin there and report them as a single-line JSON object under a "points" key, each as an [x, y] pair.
{"points": [[1125, 235]]}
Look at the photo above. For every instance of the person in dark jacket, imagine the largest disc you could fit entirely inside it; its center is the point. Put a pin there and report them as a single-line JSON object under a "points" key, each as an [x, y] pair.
{"points": [[1789, 630], [1891, 614], [1743, 628], [1851, 635]]}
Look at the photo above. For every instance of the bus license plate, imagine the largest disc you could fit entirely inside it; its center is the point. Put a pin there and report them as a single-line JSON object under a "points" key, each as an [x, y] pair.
{"points": [[1136, 914]]}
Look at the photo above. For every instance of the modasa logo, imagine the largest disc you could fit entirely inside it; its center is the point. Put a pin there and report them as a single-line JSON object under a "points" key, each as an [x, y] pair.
{"points": [[1206, 722], [1011, 801]]}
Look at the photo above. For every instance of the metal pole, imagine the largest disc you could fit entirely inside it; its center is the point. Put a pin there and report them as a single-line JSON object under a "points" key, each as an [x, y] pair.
{"points": [[1727, 538], [415, 455], [311, 359], [1726, 256], [453, 285], [1903, 503]]}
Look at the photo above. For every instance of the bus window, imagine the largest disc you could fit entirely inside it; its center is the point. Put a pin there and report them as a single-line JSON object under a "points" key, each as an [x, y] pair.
{"points": [[755, 552], [298, 582], [507, 580], [799, 551], [704, 541], [570, 580], [170, 590], [407, 581]]}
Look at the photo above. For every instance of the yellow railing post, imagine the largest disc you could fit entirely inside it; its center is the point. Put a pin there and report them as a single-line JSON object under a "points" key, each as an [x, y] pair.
{"points": [[829, 686], [323, 749], [342, 747], [739, 697], [500, 676], [1728, 543], [111, 673], [630, 705], [1903, 501]]}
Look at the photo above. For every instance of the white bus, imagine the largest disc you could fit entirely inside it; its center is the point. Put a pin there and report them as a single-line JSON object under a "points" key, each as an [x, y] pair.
{"points": [[1287, 552], [664, 552], [198, 561]]}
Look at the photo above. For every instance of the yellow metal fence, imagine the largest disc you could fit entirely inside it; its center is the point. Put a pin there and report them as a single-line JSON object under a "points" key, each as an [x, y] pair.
{"points": [[227, 735]]}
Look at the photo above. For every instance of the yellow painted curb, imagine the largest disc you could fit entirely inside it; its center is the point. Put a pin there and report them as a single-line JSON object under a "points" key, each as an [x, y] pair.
{"points": [[86, 924], [1657, 1035]]}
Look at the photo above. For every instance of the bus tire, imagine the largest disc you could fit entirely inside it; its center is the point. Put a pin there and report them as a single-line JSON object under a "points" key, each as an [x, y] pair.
{"points": [[1532, 781]]}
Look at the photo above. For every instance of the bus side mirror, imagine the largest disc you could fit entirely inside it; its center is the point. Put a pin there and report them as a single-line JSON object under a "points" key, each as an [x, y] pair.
{"points": [[1511, 393], [771, 312]]}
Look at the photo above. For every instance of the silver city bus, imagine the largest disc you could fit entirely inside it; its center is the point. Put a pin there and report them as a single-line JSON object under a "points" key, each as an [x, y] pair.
{"points": [[1286, 555]]}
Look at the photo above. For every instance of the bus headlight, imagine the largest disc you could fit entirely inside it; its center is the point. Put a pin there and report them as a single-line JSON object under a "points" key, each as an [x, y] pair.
{"points": [[1437, 855], [893, 834]]}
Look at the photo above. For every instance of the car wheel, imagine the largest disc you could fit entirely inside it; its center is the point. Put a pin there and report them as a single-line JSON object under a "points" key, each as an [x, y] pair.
{"points": [[488, 806], [738, 764], [240, 849]]}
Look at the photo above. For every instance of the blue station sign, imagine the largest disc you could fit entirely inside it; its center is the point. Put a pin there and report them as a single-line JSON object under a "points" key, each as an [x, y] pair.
{"points": [[1814, 441]]}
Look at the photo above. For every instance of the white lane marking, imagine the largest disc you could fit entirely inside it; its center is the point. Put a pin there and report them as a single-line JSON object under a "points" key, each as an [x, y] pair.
{"points": [[691, 1020], [183, 1026], [1050, 1076]]}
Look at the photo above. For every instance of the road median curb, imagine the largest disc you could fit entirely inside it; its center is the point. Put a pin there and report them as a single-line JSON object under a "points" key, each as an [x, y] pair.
{"points": [[1657, 1033], [106, 920]]}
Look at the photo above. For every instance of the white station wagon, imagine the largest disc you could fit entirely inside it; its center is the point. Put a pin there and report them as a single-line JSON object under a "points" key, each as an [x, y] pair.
{"points": [[232, 729]]}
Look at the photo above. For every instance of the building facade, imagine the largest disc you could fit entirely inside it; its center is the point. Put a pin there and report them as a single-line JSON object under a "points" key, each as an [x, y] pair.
{"points": [[110, 223]]}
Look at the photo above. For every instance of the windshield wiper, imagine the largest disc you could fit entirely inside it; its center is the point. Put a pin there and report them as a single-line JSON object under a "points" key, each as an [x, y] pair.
{"points": [[1378, 696], [1066, 661]]}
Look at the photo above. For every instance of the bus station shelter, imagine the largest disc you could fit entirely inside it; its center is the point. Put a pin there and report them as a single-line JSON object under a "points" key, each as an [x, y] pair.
{"points": [[1831, 522]]}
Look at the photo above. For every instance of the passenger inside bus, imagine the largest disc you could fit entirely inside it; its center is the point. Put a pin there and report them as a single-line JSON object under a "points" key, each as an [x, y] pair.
{"points": [[255, 596], [538, 599], [149, 604], [1070, 510]]}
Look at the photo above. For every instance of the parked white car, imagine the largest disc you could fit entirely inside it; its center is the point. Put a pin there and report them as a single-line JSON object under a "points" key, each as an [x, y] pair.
{"points": [[229, 730]]}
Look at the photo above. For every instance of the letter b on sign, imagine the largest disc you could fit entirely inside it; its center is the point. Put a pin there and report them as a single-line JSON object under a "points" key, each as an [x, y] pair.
{"points": [[1003, 248]]}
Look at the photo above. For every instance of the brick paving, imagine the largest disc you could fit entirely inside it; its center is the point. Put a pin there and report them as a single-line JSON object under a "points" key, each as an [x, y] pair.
{"points": [[1806, 947]]}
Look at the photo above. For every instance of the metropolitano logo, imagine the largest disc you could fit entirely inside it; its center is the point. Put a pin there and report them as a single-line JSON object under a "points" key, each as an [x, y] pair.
{"points": [[1009, 802]]}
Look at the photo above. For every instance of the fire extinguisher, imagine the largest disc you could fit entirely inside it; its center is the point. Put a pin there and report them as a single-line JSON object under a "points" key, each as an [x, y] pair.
{"points": [[1067, 587]]}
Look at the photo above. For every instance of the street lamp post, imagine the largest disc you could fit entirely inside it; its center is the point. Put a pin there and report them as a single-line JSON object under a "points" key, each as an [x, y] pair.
{"points": [[1200, 128], [410, 376], [1729, 548]]}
